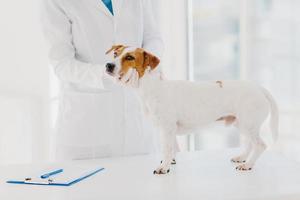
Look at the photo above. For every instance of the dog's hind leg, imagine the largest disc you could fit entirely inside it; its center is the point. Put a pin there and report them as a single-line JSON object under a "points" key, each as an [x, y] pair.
{"points": [[246, 150], [250, 119], [258, 147]]}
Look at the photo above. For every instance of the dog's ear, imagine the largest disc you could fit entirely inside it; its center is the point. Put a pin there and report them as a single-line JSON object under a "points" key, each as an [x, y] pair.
{"points": [[118, 50], [150, 60], [114, 47]]}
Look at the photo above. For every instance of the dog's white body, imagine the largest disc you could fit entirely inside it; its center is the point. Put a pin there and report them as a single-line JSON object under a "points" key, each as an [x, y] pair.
{"points": [[178, 107]]}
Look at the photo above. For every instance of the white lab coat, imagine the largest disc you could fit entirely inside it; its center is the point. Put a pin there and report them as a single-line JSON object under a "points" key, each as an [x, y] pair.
{"points": [[96, 117]]}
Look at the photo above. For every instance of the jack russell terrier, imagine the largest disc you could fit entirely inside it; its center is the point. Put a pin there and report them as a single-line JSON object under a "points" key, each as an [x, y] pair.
{"points": [[179, 107]]}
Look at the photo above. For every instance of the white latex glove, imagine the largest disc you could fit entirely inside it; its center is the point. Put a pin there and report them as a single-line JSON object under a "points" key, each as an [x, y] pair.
{"points": [[131, 78]]}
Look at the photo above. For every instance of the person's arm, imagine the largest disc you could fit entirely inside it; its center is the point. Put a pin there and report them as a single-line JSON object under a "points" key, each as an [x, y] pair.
{"points": [[152, 41], [57, 29]]}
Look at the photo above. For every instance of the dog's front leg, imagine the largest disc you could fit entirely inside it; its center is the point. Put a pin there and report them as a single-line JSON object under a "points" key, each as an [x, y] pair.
{"points": [[175, 150], [167, 142]]}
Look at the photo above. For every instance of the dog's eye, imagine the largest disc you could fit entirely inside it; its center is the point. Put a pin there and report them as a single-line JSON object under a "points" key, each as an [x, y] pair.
{"points": [[115, 54], [129, 57]]}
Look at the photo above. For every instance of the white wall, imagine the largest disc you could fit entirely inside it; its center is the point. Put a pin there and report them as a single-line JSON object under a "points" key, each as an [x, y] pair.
{"points": [[173, 22], [23, 83]]}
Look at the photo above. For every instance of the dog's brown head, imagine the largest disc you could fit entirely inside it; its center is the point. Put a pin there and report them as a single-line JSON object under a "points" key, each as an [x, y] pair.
{"points": [[127, 57]]}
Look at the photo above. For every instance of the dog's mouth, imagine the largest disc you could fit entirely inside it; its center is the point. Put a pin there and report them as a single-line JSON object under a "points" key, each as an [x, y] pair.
{"points": [[117, 76], [110, 73], [121, 76]]}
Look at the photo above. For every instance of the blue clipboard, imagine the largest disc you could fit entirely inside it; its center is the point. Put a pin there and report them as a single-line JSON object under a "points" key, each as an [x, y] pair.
{"points": [[55, 183]]}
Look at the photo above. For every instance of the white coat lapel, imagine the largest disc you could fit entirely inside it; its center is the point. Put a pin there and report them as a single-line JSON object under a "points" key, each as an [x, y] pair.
{"points": [[117, 6], [99, 4]]}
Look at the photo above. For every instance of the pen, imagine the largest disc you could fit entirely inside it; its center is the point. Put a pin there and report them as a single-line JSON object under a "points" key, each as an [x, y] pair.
{"points": [[51, 173]]}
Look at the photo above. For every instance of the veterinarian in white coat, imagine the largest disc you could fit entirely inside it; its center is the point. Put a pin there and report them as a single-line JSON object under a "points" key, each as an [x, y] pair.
{"points": [[96, 116]]}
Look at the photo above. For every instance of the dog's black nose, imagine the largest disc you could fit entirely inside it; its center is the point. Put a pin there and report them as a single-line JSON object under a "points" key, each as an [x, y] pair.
{"points": [[110, 67]]}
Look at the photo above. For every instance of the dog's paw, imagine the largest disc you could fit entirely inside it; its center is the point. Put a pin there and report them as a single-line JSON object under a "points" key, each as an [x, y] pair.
{"points": [[238, 159], [173, 162], [244, 167], [161, 170]]}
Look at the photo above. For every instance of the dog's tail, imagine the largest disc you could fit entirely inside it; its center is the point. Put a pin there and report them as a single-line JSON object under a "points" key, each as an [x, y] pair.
{"points": [[274, 117]]}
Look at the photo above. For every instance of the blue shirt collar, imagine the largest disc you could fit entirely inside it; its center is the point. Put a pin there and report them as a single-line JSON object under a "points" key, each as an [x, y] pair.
{"points": [[108, 4]]}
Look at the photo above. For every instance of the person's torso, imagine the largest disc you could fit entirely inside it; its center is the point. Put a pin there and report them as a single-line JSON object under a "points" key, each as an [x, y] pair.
{"points": [[95, 29], [109, 118]]}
